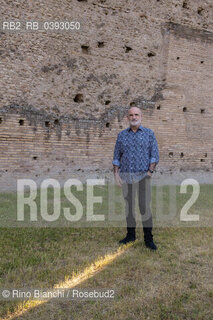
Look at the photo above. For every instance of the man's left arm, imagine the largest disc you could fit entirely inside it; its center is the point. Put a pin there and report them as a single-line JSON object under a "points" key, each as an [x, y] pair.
{"points": [[154, 154]]}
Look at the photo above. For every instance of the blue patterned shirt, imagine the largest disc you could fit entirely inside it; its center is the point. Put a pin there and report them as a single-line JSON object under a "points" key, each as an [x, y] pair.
{"points": [[134, 151]]}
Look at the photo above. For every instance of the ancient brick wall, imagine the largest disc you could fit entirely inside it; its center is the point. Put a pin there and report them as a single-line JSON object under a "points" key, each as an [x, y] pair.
{"points": [[64, 95]]}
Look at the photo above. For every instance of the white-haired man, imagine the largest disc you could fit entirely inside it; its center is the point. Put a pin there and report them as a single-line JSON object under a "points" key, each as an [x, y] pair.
{"points": [[135, 158]]}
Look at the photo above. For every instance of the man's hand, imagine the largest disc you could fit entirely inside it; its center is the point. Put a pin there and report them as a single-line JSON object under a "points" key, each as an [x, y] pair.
{"points": [[151, 168], [149, 173], [118, 180]]}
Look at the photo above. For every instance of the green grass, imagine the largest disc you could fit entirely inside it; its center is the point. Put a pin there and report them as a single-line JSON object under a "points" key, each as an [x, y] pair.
{"points": [[173, 283], [167, 202]]}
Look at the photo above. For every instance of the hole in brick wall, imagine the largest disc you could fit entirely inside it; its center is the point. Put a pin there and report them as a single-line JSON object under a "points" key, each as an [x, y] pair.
{"points": [[82, 0], [132, 104], [201, 61], [158, 107], [56, 121], [100, 44], [85, 49], [200, 10], [151, 54], [143, 15], [107, 102], [178, 58], [185, 5], [205, 155], [184, 109], [202, 110], [182, 155], [79, 98], [121, 127], [170, 154], [6, 170], [21, 122], [47, 124], [202, 160], [35, 158], [128, 49], [107, 124], [0, 120]]}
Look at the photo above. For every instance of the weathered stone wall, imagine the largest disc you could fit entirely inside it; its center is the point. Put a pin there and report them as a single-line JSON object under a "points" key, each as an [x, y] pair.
{"points": [[64, 95]]}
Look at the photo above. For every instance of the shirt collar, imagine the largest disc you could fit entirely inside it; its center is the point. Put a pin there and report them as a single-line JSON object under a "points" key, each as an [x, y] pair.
{"points": [[139, 128]]}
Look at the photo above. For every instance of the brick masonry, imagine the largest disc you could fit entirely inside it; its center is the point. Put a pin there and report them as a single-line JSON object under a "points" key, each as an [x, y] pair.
{"points": [[64, 95]]}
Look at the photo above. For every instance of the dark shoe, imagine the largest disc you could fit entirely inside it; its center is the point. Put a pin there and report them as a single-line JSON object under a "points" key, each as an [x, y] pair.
{"points": [[151, 245], [127, 239]]}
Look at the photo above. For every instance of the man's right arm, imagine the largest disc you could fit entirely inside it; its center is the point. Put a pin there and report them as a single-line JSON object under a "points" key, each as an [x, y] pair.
{"points": [[116, 175], [116, 161]]}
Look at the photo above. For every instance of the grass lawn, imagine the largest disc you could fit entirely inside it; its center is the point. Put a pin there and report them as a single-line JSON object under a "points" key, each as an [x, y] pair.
{"points": [[176, 282]]}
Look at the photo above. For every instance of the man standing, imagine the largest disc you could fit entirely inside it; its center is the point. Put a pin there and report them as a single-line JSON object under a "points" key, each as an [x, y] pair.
{"points": [[135, 158]]}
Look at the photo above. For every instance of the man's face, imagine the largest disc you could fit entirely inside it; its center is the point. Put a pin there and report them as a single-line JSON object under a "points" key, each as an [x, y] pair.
{"points": [[134, 116]]}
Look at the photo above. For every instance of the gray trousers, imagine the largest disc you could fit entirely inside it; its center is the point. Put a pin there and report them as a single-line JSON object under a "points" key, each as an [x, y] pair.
{"points": [[143, 190]]}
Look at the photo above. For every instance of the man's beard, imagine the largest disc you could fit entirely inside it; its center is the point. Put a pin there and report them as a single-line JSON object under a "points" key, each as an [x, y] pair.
{"points": [[134, 123]]}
